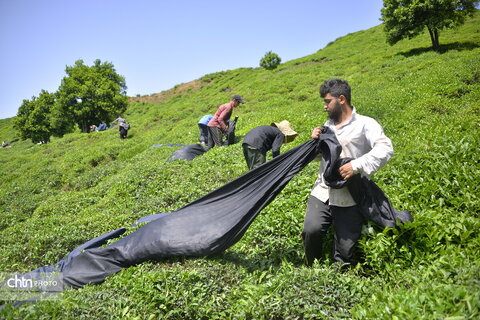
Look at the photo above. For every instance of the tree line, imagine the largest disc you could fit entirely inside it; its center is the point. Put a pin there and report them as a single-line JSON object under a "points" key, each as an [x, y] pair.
{"points": [[408, 18], [87, 94]]}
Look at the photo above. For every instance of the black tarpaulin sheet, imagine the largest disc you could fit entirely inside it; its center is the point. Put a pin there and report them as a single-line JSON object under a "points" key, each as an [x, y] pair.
{"points": [[230, 133], [158, 145], [373, 202], [204, 227], [46, 273], [188, 152]]}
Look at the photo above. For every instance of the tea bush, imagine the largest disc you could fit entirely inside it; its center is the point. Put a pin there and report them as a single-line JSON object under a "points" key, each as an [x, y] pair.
{"points": [[270, 60]]}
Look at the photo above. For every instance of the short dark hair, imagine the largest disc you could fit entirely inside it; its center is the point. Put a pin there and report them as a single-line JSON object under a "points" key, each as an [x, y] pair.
{"points": [[336, 87]]}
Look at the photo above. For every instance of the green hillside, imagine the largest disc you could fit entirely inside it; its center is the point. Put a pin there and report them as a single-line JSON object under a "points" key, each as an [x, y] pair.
{"points": [[61, 194]]}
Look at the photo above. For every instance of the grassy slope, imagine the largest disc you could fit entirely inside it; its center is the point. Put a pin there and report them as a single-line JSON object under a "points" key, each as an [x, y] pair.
{"points": [[7, 131], [59, 195]]}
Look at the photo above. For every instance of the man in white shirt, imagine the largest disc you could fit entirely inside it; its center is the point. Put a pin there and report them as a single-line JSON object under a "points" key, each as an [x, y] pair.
{"points": [[362, 139]]}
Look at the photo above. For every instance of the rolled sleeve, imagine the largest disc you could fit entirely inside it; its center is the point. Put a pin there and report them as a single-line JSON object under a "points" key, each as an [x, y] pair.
{"points": [[381, 150]]}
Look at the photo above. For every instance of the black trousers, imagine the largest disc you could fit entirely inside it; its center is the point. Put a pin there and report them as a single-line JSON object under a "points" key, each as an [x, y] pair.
{"points": [[203, 133], [253, 156], [123, 132], [215, 137], [347, 223]]}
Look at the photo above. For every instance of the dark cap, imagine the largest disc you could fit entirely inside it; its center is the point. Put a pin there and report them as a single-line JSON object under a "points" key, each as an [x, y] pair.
{"points": [[238, 98]]}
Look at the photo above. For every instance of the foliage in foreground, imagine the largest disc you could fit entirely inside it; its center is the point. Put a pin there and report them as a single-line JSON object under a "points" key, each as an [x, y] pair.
{"points": [[59, 195]]}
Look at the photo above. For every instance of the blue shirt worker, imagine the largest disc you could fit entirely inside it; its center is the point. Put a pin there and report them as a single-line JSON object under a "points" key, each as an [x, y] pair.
{"points": [[202, 126], [102, 126]]}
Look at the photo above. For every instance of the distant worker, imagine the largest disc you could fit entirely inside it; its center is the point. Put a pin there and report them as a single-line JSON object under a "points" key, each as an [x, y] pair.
{"points": [[120, 120], [263, 138], [202, 126], [217, 127], [102, 126], [123, 127]]}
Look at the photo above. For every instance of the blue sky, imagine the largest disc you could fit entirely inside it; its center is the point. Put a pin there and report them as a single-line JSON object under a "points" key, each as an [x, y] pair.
{"points": [[157, 44]]}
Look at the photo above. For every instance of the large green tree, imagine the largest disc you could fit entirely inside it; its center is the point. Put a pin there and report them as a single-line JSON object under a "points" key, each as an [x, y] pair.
{"points": [[33, 118], [408, 18], [88, 95]]}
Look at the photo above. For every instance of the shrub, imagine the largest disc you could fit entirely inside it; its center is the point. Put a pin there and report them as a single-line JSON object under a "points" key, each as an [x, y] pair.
{"points": [[270, 60]]}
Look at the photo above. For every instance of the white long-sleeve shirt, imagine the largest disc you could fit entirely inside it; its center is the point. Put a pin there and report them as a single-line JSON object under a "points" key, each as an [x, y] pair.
{"points": [[362, 139]]}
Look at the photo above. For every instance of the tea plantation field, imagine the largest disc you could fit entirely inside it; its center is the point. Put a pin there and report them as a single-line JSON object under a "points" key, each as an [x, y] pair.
{"points": [[56, 196]]}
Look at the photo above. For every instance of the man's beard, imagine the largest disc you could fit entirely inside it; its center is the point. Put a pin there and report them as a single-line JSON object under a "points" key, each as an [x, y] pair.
{"points": [[336, 113]]}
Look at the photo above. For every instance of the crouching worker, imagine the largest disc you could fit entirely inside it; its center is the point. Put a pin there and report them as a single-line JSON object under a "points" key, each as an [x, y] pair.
{"points": [[263, 138], [202, 126]]}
